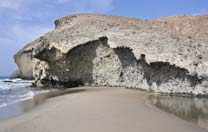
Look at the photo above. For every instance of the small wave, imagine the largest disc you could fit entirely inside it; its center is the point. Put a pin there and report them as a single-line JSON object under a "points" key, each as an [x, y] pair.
{"points": [[29, 94], [15, 101], [17, 80], [14, 83], [3, 105], [14, 90]]}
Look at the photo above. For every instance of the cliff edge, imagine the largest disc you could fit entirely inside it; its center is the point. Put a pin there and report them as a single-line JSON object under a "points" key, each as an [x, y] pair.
{"points": [[164, 55]]}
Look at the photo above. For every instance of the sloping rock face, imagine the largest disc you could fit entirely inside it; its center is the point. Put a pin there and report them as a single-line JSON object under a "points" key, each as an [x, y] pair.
{"points": [[167, 55], [25, 61]]}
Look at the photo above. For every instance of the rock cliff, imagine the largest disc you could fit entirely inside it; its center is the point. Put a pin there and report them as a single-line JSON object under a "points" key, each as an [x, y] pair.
{"points": [[165, 55]]}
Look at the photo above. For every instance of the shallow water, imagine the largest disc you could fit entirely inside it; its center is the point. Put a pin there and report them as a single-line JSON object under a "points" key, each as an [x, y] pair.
{"points": [[191, 109], [16, 97], [14, 90], [22, 106], [16, 109]]}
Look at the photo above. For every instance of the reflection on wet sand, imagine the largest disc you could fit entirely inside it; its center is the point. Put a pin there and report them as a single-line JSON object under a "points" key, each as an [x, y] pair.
{"points": [[192, 109], [21, 107]]}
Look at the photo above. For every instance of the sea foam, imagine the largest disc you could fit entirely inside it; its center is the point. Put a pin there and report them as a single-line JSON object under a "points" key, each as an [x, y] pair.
{"points": [[14, 90]]}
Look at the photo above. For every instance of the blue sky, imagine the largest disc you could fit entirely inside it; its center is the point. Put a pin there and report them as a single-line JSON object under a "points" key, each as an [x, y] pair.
{"points": [[24, 20]]}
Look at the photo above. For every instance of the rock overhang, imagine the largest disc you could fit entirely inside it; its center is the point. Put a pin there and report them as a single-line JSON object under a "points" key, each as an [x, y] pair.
{"points": [[158, 42]]}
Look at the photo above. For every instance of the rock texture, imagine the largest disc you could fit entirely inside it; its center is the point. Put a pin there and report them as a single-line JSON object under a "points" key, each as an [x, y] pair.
{"points": [[165, 55]]}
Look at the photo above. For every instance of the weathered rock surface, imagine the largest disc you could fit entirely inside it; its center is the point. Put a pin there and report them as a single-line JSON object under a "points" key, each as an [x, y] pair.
{"points": [[166, 55]]}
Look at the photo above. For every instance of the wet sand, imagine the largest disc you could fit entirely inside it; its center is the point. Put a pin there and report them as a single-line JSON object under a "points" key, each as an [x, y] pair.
{"points": [[98, 110], [21, 107]]}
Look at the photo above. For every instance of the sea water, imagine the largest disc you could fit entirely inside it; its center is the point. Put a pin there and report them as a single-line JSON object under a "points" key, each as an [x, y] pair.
{"points": [[14, 90], [16, 97]]}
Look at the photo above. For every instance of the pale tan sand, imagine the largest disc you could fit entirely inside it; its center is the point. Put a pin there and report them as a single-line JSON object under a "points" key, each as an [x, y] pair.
{"points": [[98, 110]]}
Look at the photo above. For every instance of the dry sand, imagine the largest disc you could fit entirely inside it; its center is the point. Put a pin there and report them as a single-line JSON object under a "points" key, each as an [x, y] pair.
{"points": [[98, 110]]}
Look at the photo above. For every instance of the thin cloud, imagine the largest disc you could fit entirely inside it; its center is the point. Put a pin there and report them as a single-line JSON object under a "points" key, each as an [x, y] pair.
{"points": [[203, 12], [11, 4], [29, 32], [94, 6], [64, 1]]}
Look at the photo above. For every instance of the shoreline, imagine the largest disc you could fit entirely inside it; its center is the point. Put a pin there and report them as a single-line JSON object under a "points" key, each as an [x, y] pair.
{"points": [[21, 107], [91, 109]]}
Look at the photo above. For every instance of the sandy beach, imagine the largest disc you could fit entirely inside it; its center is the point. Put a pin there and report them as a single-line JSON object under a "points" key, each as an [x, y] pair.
{"points": [[88, 109]]}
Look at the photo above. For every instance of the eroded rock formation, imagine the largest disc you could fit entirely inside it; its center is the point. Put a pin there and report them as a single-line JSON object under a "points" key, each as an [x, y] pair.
{"points": [[100, 50], [91, 63]]}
